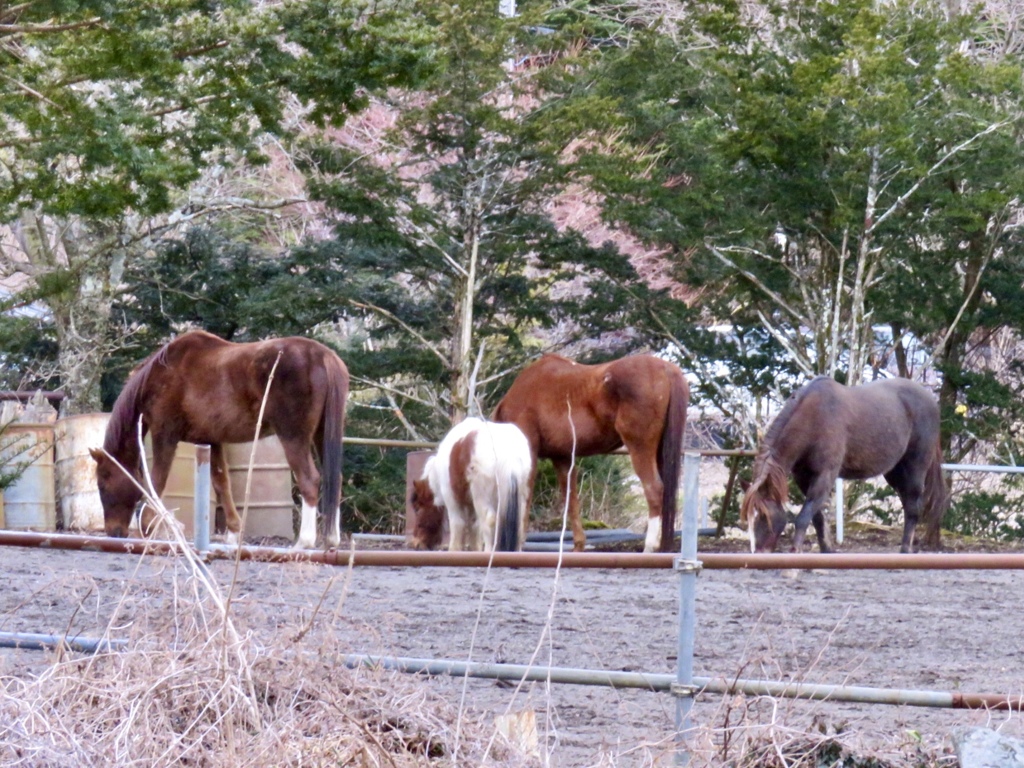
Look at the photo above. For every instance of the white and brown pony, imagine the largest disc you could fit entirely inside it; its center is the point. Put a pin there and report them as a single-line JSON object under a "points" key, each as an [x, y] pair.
{"points": [[480, 476]]}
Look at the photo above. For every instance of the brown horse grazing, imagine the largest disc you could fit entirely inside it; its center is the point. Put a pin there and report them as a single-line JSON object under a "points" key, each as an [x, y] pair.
{"points": [[202, 389], [827, 430], [569, 410]]}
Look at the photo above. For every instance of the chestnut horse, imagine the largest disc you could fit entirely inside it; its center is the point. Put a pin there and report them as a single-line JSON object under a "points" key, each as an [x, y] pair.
{"points": [[202, 389], [568, 410], [480, 475], [827, 430]]}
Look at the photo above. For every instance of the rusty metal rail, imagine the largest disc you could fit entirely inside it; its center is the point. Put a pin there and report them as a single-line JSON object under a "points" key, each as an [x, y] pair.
{"points": [[968, 561]]}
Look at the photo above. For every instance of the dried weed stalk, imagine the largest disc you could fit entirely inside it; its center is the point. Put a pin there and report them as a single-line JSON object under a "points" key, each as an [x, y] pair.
{"points": [[205, 682]]}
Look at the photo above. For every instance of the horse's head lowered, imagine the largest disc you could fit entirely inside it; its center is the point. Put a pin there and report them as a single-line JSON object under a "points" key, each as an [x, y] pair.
{"points": [[428, 530], [118, 494], [763, 511]]}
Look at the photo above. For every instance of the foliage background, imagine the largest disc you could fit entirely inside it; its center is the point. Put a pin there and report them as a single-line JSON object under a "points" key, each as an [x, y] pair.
{"points": [[761, 191]]}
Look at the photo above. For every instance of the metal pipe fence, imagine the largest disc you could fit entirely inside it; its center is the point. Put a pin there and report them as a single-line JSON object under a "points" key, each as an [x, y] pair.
{"points": [[684, 685], [666, 683], [31, 641], [961, 561]]}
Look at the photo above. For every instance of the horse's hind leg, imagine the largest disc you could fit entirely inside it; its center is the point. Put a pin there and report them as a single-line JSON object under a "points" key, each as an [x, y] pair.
{"points": [[457, 530], [220, 479], [909, 485], [308, 479], [569, 495], [645, 464], [821, 528]]}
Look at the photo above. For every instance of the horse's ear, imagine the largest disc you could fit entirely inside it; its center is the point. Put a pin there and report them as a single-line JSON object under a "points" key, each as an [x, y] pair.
{"points": [[744, 484], [97, 455]]}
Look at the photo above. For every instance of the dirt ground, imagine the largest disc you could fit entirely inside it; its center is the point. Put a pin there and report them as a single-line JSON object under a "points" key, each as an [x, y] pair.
{"points": [[914, 629]]}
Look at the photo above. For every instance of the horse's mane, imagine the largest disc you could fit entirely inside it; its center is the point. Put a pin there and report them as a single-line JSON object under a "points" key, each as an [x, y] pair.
{"points": [[770, 479], [121, 429]]}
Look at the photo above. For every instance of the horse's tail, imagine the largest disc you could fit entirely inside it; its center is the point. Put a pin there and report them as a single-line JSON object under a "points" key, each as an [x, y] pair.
{"points": [[670, 455], [333, 431], [508, 526], [936, 500]]}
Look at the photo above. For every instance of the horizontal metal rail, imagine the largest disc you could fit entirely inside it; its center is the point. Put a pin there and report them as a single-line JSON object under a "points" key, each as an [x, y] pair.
{"points": [[714, 685], [430, 445], [969, 561], [25, 396], [31, 641], [999, 468], [711, 452]]}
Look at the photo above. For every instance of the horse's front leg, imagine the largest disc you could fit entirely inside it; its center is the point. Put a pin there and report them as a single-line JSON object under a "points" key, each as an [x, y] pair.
{"points": [[816, 488], [810, 511], [568, 493], [163, 456]]}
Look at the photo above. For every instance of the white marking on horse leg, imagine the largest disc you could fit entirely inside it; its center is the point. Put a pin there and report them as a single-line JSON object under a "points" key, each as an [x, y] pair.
{"points": [[488, 532], [456, 533], [231, 539], [307, 529], [653, 534], [750, 532], [334, 537]]}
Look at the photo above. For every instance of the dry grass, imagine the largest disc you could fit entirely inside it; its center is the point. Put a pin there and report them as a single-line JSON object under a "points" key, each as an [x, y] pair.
{"points": [[752, 732], [205, 682], [207, 687]]}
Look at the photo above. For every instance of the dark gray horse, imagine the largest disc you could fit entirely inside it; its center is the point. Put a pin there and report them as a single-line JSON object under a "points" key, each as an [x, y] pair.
{"points": [[827, 430]]}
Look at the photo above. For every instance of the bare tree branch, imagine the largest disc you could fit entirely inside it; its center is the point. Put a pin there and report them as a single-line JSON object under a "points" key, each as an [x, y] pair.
{"points": [[779, 301], [902, 199], [405, 326]]}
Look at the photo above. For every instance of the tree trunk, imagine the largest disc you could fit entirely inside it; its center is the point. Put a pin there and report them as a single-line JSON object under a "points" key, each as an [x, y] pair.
{"points": [[953, 353], [860, 330], [82, 322], [81, 262], [462, 339]]}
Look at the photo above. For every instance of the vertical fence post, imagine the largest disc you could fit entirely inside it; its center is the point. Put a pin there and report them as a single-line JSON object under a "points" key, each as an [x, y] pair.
{"points": [[688, 567], [839, 510], [201, 501]]}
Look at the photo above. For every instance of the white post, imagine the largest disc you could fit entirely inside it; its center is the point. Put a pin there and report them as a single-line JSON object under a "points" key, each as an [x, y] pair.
{"points": [[839, 510], [201, 499], [688, 567]]}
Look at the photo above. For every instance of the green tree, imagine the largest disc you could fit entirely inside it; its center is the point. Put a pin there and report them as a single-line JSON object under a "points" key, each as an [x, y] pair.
{"points": [[824, 169], [447, 262], [110, 110]]}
